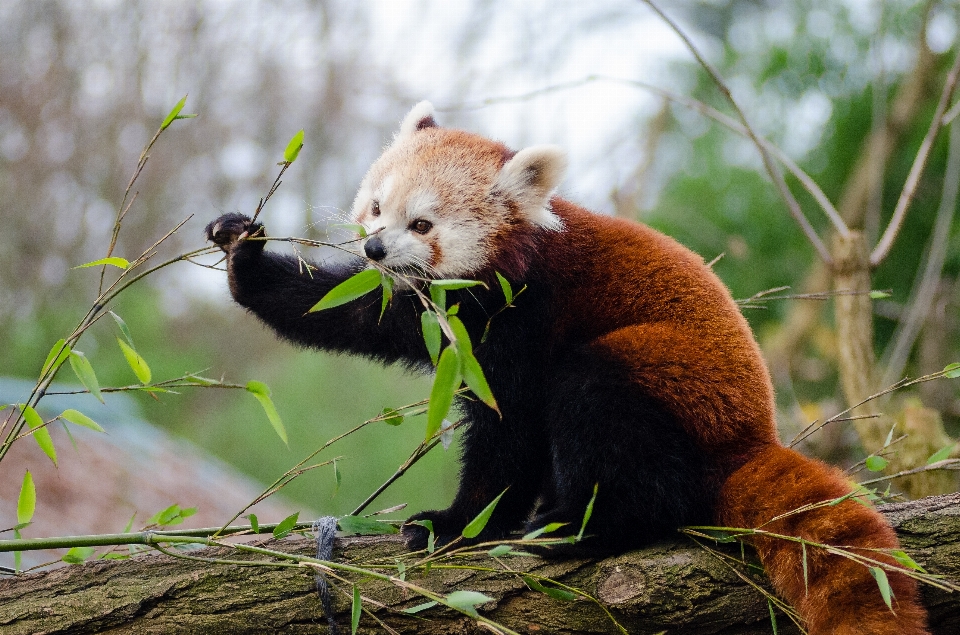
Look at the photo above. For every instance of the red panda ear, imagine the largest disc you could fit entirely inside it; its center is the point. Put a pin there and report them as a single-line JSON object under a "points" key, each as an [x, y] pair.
{"points": [[420, 117], [529, 179]]}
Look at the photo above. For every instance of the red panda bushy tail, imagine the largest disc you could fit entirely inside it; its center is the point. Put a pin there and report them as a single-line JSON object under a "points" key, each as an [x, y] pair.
{"points": [[839, 596]]}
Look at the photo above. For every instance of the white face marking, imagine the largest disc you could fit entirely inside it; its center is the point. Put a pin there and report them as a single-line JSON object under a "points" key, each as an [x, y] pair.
{"points": [[457, 183]]}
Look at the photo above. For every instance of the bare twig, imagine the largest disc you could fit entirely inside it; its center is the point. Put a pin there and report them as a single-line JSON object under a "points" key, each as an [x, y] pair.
{"points": [[923, 291], [772, 169], [916, 171]]}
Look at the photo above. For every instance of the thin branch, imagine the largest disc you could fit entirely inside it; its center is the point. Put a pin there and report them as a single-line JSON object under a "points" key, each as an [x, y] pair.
{"points": [[772, 169], [707, 111], [916, 171], [923, 292]]}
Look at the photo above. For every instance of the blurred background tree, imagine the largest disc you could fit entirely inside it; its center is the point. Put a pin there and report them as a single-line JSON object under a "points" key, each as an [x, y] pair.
{"points": [[84, 84]]}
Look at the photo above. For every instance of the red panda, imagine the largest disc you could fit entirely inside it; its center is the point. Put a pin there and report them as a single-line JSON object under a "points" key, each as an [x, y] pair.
{"points": [[624, 364]]}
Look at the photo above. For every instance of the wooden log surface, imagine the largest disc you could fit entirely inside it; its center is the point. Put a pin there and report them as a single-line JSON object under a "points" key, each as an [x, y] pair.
{"points": [[675, 586]]}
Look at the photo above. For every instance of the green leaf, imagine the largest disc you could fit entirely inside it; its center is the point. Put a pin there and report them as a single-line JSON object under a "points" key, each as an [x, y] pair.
{"points": [[432, 336], [136, 363], [905, 560], [130, 523], [879, 295], [507, 289], [262, 392], [386, 282], [80, 419], [356, 286], [453, 284], [285, 526], [254, 523], [164, 517], [806, 579], [439, 297], [420, 607], [391, 417], [293, 148], [175, 114], [500, 550], [546, 529], [951, 371], [354, 227], [337, 478], [365, 526], [881, 577], [941, 454], [77, 555], [460, 334], [876, 463], [84, 371], [555, 593], [588, 512], [444, 385], [467, 601], [475, 526], [116, 261], [473, 376], [27, 501], [355, 610], [123, 328], [40, 432], [57, 355], [773, 617]]}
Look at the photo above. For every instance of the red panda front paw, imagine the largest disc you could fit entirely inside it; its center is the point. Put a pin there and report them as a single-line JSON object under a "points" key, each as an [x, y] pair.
{"points": [[230, 229]]}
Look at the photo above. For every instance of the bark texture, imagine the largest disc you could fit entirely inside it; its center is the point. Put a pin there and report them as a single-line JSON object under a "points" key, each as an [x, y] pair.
{"points": [[675, 587]]}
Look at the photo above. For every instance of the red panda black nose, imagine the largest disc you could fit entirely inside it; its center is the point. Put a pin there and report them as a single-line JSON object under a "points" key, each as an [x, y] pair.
{"points": [[374, 248]]}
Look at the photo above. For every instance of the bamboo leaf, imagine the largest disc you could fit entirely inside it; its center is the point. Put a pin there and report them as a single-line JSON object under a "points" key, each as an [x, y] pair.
{"points": [[467, 601], [941, 454], [78, 555], [116, 261], [876, 463], [555, 593], [475, 526], [546, 529], [254, 523], [391, 417], [473, 376], [55, 357], [355, 610], [40, 432], [453, 284], [365, 526], [136, 363], [507, 289], [420, 607], [356, 286], [885, 591], [588, 512], [123, 328], [906, 560], [432, 336], [175, 114], [445, 384], [386, 282], [27, 501], [84, 371], [285, 526], [80, 419], [500, 550], [293, 148], [952, 371], [262, 392]]}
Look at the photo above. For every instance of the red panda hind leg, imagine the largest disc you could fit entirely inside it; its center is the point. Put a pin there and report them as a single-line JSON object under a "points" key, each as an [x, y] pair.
{"points": [[839, 596]]}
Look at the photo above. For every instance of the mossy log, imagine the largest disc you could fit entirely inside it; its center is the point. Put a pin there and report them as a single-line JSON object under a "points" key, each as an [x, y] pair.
{"points": [[677, 587]]}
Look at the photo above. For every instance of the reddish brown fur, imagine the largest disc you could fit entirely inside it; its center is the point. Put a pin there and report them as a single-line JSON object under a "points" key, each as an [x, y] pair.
{"points": [[704, 365]]}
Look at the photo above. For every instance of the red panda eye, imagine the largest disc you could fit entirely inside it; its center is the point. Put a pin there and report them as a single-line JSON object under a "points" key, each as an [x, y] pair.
{"points": [[375, 208], [421, 226]]}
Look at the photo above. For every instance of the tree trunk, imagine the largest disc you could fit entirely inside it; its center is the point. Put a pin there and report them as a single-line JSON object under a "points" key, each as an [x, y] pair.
{"points": [[675, 586]]}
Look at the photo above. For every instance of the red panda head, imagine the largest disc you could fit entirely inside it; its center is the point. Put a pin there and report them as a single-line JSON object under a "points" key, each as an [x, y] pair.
{"points": [[447, 203]]}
